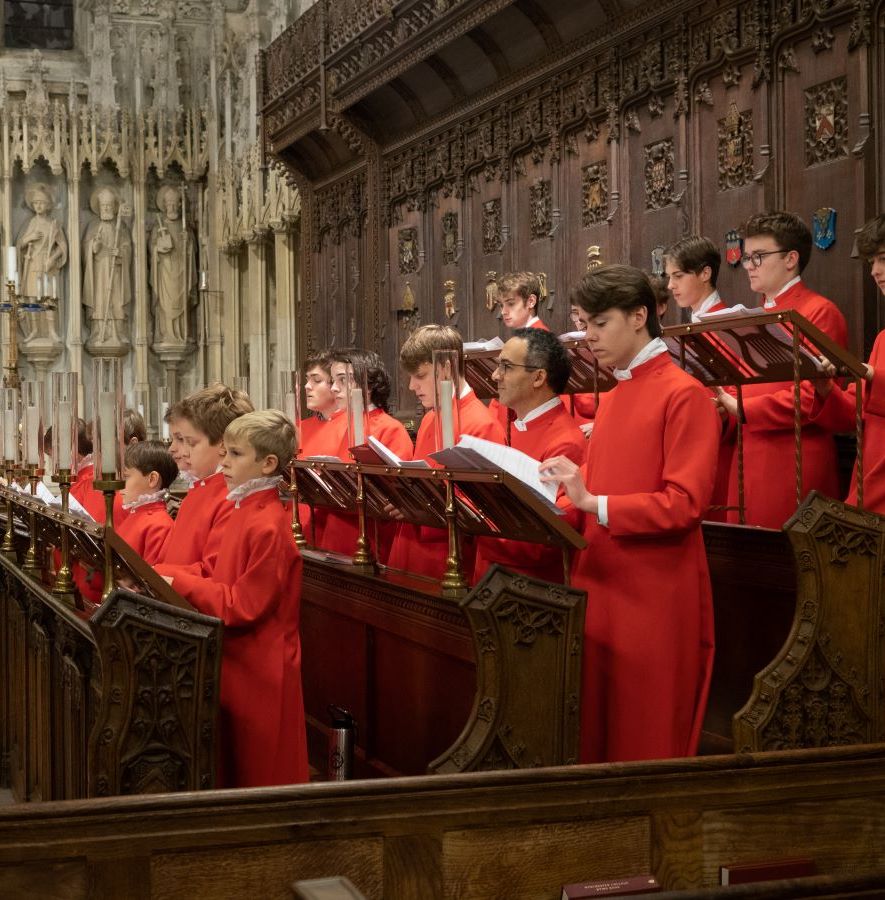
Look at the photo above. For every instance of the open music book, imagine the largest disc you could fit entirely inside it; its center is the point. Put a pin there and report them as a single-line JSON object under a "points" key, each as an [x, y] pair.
{"points": [[391, 459], [494, 344], [475, 453], [737, 310]]}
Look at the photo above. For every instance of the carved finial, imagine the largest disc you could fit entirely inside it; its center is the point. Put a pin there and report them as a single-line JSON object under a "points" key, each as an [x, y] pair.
{"points": [[449, 298], [408, 298], [491, 290], [594, 254]]}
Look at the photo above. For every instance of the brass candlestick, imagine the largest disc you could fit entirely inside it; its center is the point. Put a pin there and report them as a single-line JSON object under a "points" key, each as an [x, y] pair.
{"points": [[297, 531], [363, 560], [453, 582], [8, 546], [64, 583], [31, 563], [108, 485]]}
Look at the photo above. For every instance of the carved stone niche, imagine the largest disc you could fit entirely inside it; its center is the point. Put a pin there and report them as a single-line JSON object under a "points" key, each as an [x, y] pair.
{"points": [[155, 727], [533, 631], [824, 688]]}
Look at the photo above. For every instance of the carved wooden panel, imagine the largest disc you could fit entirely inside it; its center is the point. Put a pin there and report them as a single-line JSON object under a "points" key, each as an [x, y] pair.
{"points": [[155, 728], [820, 112], [528, 637], [39, 765], [825, 687]]}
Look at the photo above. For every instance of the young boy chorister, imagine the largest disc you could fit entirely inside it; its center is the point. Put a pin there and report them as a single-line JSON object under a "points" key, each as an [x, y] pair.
{"points": [[201, 419], [254, 587], [424, 550], [647, 480], [148, 471], [835, 409], [777, 247]]}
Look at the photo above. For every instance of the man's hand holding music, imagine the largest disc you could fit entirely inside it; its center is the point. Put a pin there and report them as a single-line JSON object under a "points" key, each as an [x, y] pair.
{"points": [[561, 470]]}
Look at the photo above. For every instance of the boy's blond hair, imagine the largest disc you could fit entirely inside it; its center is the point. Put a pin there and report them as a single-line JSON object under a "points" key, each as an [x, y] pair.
{"points": [[267, 432], [211, 409], [418, 348]]}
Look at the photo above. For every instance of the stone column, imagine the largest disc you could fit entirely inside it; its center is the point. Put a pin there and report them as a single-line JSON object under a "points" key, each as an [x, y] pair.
{"points": [[256, 310], [75, 279], [141, 336], [230, 282], [288, 289]]}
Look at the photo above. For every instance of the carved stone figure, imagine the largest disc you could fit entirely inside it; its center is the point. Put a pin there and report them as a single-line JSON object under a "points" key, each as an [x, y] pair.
{"points": [[173, 268], [42, 252], [107, 264], [42, 245]]}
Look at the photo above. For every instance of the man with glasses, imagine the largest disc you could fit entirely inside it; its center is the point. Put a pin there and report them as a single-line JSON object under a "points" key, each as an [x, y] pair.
{"points": [[533, 369], [777, 247]]}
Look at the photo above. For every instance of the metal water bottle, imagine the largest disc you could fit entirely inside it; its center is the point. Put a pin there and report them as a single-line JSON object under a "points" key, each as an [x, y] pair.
{"points": [[341, 739]]}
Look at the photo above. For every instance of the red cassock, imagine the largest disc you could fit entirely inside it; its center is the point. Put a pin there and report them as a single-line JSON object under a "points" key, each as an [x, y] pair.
{"points": [[769, 442], [648, 634], [424, 550], [838, 412], [146, 529], [255, 589], [339, 532], [725, 460], [552, 434], [92, 500], [196, 533], [319, 437]]}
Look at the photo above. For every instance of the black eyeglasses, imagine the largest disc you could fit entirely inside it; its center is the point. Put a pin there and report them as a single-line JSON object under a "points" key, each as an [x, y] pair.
{"points": [[755, 259], [505, 366]]}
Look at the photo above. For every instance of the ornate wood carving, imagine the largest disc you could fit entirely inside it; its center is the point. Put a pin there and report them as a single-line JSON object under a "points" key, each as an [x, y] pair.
{"points": [[825, 687], [594, 194], [826, 122], [540, 209], [659, 174], [735, 148], [155, 726], [527, 634], [491, 226], [407, 250], [450, 238]]}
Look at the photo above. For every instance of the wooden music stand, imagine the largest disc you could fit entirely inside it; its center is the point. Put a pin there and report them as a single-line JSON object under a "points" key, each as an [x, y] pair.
{"points": [[765, 348]]}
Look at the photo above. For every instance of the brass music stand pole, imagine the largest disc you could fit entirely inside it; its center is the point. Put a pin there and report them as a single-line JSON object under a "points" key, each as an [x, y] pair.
{"points": [[363, 560], [64, 583], [453, 583], [109, 486], [31, 563], [297, 531], [8, 546]]}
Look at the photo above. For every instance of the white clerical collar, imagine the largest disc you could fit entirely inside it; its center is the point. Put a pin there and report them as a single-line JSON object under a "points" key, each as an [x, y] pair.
{"points": [[706, 306], [653, 348], [253, 486], [188, 478], [144, 499], [531, 322], [771, 302], [520, 424], [465, 391], [85, 463], [199, 481]]}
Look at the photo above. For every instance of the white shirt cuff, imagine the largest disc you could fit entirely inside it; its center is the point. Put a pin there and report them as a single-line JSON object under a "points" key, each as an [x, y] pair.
{"points": [[602, 512]]}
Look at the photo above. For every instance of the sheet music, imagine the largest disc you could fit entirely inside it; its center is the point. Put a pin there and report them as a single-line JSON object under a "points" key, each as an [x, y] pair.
{"points": [[494, 344], [573, 336], [737, 310], [512, 461], [320, 458], [391, 459]]}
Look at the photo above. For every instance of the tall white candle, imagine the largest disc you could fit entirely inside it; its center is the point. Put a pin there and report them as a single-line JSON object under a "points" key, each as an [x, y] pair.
{"points": [[32, 428], [204, 280], [356, 411], [164, 425], [10, 432], [446, 393], [11, 264], [62, 440], [289, 405], [106, 408]]}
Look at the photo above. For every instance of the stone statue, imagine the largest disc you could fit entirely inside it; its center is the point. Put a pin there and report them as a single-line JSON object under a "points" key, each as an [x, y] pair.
{"points": [[173, 268], [42, 246], [42, 252], [107, 276]]}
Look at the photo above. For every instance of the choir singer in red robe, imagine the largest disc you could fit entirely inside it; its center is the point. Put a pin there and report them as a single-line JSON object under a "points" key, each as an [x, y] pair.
{"points": [[647, 480], [835, 409]]}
